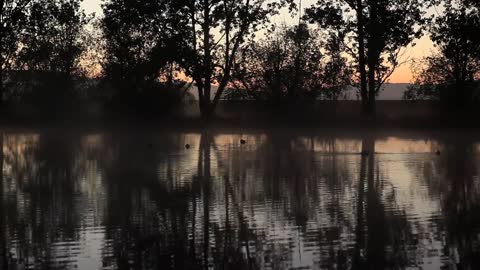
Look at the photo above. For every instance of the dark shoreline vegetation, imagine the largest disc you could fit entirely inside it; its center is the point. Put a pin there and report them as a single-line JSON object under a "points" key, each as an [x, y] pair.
{"points": [[141, 60], [419, 115]]}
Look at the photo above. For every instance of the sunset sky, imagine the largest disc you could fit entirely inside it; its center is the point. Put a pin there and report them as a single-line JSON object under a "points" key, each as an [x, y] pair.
{"points": [[402, 75]]}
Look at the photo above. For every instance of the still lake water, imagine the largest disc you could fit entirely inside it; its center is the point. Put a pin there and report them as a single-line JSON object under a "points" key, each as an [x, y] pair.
{"points": [[286, 199]]}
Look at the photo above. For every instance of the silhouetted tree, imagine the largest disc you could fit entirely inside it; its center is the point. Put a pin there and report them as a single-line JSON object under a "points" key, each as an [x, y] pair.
{"points": [[451, 74], [292, 64], [374, 32], [336, 74], [219, 29], [13, 14], [52, 43], [144, 41]]}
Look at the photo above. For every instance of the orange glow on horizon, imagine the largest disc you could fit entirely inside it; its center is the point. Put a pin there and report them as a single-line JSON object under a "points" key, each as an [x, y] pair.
{"points": [[402, 75]]}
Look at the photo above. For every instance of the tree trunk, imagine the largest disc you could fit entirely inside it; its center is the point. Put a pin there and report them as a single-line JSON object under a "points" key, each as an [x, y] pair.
{"points": [[1, 53], [361, 56], [373, 56], [371, 87], [1, 87], [207, 72], [201, 99]]}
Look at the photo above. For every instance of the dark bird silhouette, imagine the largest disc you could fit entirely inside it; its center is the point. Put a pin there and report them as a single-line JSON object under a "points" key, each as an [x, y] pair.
{"points": [[187, 146], [242, 141]]}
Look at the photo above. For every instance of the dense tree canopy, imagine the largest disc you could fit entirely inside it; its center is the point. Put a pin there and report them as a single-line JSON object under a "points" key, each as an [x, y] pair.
{"points": [[144, 39], [219, 29], [451, 74], [292, 64], [227, 45], [13, 15], [375, 32], [51, 40], [41, 36]]}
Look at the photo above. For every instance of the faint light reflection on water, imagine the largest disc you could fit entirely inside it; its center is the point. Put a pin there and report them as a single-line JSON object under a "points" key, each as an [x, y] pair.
{"points": [[285, 199]]}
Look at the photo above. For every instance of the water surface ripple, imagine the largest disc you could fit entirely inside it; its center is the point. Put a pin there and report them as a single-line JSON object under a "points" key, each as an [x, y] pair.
{"points": [[284, 200]]}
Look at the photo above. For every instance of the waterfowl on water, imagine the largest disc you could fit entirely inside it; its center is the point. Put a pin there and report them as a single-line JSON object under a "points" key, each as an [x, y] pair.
{"points": [[242, 141]]}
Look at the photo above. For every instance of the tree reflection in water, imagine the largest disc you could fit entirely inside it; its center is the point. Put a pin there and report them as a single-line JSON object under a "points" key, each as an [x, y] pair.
{"points": [[453, 181], [383, 233], [140, 200]]}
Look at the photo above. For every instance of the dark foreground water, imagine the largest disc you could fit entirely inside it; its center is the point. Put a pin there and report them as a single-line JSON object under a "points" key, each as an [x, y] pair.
{"points": [[285, 200]]}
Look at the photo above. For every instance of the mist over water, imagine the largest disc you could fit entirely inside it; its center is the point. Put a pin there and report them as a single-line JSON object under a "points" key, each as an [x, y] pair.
{"points": [[139, 199]]}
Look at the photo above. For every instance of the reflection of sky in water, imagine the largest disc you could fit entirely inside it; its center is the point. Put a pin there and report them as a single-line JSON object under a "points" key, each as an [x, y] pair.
{"points": [[106, 200]]}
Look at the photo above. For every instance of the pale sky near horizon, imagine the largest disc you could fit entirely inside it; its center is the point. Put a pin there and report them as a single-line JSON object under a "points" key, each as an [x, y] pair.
{"points": [[403, 74]]}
